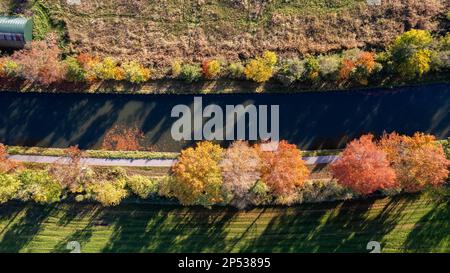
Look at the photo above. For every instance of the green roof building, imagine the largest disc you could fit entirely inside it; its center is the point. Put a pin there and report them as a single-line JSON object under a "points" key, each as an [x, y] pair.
{"points": [[15, 32]]}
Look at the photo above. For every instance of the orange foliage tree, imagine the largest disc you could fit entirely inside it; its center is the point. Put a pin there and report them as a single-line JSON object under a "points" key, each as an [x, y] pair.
{"points": [[419, 161], [197, 175], [123, 138], [6, 165], [347, 68], [363, 167], [283, 170]]}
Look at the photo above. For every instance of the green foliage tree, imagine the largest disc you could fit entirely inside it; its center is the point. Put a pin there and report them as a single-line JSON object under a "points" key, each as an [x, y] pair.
{"points": [[290, 71], [39, 186], [109, 192], [142, 186], [135, 72], [190, 72], [411, 53], [74, 71], [9, 186]]}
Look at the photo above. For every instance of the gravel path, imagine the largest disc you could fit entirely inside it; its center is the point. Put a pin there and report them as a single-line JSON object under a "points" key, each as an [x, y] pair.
{"points": [[312, 160]]}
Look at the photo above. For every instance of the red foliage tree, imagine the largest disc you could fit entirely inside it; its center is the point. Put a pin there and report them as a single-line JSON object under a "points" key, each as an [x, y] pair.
{"points": [[41, 62], [283, 170], [363, 167], [418, 161]]}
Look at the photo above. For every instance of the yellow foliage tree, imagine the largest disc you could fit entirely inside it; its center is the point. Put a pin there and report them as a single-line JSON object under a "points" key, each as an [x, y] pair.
{"points": [[262, 68], [411, 53], [135, 72], [198, 178]]}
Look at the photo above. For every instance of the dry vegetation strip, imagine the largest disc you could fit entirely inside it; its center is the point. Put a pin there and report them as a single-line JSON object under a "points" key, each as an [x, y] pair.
{"points": [[408, 223], [156, 32]]}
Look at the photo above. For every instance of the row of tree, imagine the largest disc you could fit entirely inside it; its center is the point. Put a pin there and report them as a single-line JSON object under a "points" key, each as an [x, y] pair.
{"points": [[411, 55], [240, 175]]}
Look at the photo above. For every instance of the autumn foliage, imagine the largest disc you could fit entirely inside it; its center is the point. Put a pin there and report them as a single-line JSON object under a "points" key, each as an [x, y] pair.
{"points": [[261, 68], [40, 62], [418, 161], [211, 69], [6, 165], [363, 167], [394, 162], [283, 170], [197, 175], [123, 138], [69, 170], [240, 171]]}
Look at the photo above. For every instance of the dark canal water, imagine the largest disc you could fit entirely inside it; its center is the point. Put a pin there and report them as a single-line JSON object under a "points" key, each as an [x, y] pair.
{"points": [[310, 120]]}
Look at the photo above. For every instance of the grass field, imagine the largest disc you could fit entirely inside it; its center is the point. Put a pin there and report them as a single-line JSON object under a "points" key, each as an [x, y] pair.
{"points": [[402, 224]]}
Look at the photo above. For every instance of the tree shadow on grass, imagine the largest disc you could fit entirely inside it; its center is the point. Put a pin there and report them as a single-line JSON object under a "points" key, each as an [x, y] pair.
{"points": [[432, 232], [83, 235], [22, 232], [168, 229], [330, 227]]}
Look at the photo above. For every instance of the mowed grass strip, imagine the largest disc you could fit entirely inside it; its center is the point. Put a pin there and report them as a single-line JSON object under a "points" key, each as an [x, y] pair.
{"points": [[411, 223]]}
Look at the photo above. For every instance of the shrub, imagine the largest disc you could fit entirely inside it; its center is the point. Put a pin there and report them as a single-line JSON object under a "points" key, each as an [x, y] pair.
{"points": [[418, 161], [363, 167], [109, 193], [260, 194], [40, 62], [211, 69], [190, 72], [240, 171], [176, 69], [236, 70], [365, 66], [262, 68], [6, 165], [135, 72], [346, 70], [74, 72], [9, 186], [322, 190], [329, 66], [39, 186], [283, 170], [312, 68], [108, 69], [290, 71], [197, 174], [416, 65], [9, 68], [142, 186]]}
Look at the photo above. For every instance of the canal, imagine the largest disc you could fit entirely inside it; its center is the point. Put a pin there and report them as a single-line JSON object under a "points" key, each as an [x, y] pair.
{"points": [[312, 120]]}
